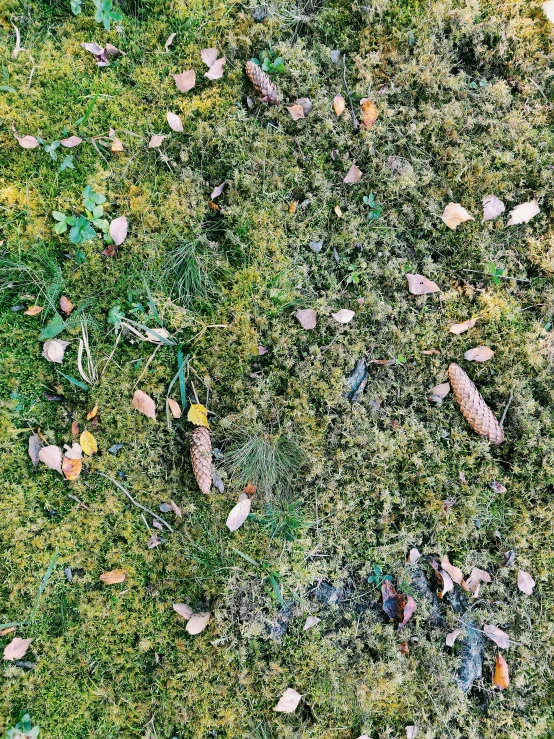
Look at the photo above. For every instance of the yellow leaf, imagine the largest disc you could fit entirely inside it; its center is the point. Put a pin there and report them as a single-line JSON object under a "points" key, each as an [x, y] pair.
{"points": [[92, 413], [113, 577], [72, 468], [198, 415], [88, 443], [33, 310]]}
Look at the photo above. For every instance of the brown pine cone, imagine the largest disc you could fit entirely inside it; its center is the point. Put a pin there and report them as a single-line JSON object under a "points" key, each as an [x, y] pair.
{"points": [[262, 82], [473, 407], [201, 458]]}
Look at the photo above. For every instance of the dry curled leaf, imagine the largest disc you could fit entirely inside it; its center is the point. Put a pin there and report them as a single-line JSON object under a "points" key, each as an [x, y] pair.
{"points": [[309, 622], [113, 577], [492, 208], [92, 413], [185, 81], [397, 606], [17, 648], [459, 328], [369, 113], [117, 145], [175, 123], [353, 175], [452, 636], [296, 111], [35, 445], [496, 635], [71, 468], [288, 702], [307, 318], [66, 306], [51, 456], [74, 451], [339, 105], [183, 610], [169, 41], [525, 582], [338, 211], [411, 732], [238, 514], [71, 142], [501, 678], [479, 354], [455, 572], [174, 407], [439, 392], [156, 140], [343, 315], [209, 56], [475, 579], [54, 349], [523, 213], [413, 555], [88, 443], [215, 72], [454, 214], [198, 415], [420, 285], [144, 404], [198, 622], [118, 230], [216, 192], [33, 310]]}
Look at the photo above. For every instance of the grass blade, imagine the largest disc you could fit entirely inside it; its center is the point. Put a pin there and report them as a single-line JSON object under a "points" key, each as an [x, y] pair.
{"points": [[181, 364], [246, 557], [275, 587], [44, 583], [74, 381], [152, 304], [13, 623]]}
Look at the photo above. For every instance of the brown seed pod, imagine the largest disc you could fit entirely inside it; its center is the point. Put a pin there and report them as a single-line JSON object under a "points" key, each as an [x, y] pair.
{"points": [[201, 458], [262, 82], [473, 407]]}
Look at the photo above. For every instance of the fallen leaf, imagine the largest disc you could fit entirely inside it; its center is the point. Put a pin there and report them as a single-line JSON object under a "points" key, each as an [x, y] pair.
{"points": [[473, 582], [75, 428], [430, 351], [437, 393], [420, 285], [548, 10], [498, 487], [71, 142], [74, 451], [51, 456], [496, 635], [183, 610], [447, 584], [155, 541], [413, 556], [479, 354], [157, 139], [198, 622], [288, 701], [306, 104], [523, 213], [169, 41], [198, 415], [118, 230], [216, 192], [175, 508], [353, 175], [411, 732], [93, 48], [66, 306], [175, 123], [454, 214], [33, 310], [309, 622], [238, 514], [215, 72], [316, 246], [174, 407], [17, 648], [113, 50], [397, 606], [459, 328], [525, 582], [369, 113], [492, 207], [250, 489], [7, 630], [262, 350], [339, 104], [509, 558], [404, 648], [338, 211], [144, 404], [72, 468], [296, 111], [88, 443], [92, 413], [501, 678], [343, 315], [117, 145], [455, 572], [293, 206], [54, 349], [307, 318], [185, 81], [113, 577], [209, 56], [452, 636], [35, 445]]}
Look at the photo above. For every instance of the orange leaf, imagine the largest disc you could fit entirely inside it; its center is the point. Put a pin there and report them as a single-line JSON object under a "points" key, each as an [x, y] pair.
{"points": [[113, 577], [501, 674], [338, 104], [369, 113], [174, 407], [72, 468], [66, 305], [33, 310], [144, 403]]}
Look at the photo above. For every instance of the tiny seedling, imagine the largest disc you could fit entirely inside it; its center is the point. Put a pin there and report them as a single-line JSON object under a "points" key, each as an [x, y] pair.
{"points": [[67, 163], [270, 64], [375, 210], [23, 729], [76, 6], [81, 227], [378, 578], [356, 272], [282, 520], [495, 272], [105, 13]]}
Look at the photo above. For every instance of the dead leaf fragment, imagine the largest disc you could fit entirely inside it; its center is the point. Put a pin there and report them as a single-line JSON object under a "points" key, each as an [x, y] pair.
{"points": [[437, 393], [118, 230], [54, 349], [459, 328], [413, 555], [523, 213], [353, 175], [473, 582], [411, 732], [548, 10], [93, 48], [288, 702], [309, 622], [7, 630], [175, 123], [496, 635], [144, 404], [296, 111], [72, 468], [498, 487], [455, 572], [339, 105], [88, 443], [169, 41], [238, 514], [479, 354], [198, 622], [92, 413], [397, 606], [156, 140], [113, 577], [307, 318], [447, 584], [215, 72], [198, 415], [183, 610], [209, 56], [175, 508], [454, 214], [501, 678], [216, 192], [343, 315], [51, 456], [369, 113], [66, 306], [525, 582], [74, 451], [338, 211], [34, 448], [185, 81], [174, 407], [71, 142], [117, 146], [17, 648], [492, 208], [420, 285], [452, 636], [33, 310]]}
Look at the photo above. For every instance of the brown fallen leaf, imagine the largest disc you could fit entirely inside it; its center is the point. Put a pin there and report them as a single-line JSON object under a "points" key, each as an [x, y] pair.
{"points": [[113, 577], [26, 142], [452, 636], [33, 310], [338, 211], [175, 123], [155, 541], [492, 208], [144, 404], [88, 443], [175, 508], [169, 41], [183, 610], [404, 648], [296, 111], [35, 445], [420, 285], [306, 104], [71, 142], [114, 51], [185, 81], [439, 392], [475, 579], [479, 354], [209, 56], [71, 468], [293, 206], [7, 630], [353, 175], [369, 113], [17, 648], [51, 456], [198, 622], [66, 306], [498, 487], [238, 514], [92, 413], [215, 72], [343, 315], [430, 351], [499, 637], [459, 328], [54, 349], [501, 678], [397, 606], [288, 702], [75, 428], [118, 230], [74, 451], [117, 145], [156, 140], [454, 214], [309, 622], [525, 582], [523, 213], [307, 318], [339, 105], [174, 407], [455, 572]]}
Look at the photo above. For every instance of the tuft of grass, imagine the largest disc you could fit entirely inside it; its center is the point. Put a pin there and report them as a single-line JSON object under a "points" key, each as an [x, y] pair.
{"points": [[282, 519], [39, 274], [188, 272]]}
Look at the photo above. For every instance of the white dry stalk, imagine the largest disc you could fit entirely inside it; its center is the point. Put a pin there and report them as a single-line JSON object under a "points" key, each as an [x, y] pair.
{"points": [[91, 376]]}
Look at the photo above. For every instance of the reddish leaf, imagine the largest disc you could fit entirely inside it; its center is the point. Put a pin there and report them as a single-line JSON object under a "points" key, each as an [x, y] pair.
{"points": [[16, 648]]}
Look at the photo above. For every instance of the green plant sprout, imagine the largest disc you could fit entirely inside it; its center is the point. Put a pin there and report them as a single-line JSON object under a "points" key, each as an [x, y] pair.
{"points": [[495, 272], [378, 578], [270, 63], [82, 226], [105, 13], [375, 210], [23, 729], [356, 272]]}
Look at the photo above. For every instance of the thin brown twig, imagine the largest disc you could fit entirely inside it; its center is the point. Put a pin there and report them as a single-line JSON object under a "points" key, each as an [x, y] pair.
{"points": [[133, 501]]}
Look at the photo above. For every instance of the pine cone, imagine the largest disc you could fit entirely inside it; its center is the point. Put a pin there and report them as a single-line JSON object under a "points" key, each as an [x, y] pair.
{"points": [[473, 407], [201, 458], [263, 84]]}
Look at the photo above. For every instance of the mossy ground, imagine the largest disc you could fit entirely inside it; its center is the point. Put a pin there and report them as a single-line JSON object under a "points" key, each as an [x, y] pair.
{"points": [[465, 92]]}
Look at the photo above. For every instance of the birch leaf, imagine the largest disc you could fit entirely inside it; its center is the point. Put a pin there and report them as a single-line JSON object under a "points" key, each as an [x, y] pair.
{"points": [[215, 72], [72, 468], [310, 621], [175, 123], [51, 456], [413, 556], [420, 285], [501, 678], [238, 514], [34, 448], [353, 175], [296, 111], [54, 349], [28, 142], [33, 310], [185, 81], [198, 622], [118, 230], [198, 415], [479, 354], [454, 214], [492, 208], [88, 443], [455, 572], [144, 404], [496, 635], [74, 451], [71, 142], [525, 582], [339, 105], [439, 392], [209, 56], [16, 648], [288, 702], [113, 577], [174, 407], [216, 192], [476, 577], [523, 213], [460, 328], [307, 318], [548, 10], [183, 610], [156, 140], [343, 315], [369, 113]]}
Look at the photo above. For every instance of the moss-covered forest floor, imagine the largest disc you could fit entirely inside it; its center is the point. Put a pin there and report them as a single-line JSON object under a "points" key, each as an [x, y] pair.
{"points": [[464, 92]]}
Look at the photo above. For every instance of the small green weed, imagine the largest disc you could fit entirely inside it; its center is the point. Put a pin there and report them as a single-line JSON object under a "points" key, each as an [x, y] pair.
{"points": [[271, 577], [282, 520], [188, 271], [270, 64], [23, 729], [105, 13], [375, 210], [82, 226], [378, 578], [495, 273], [356, 271]]}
